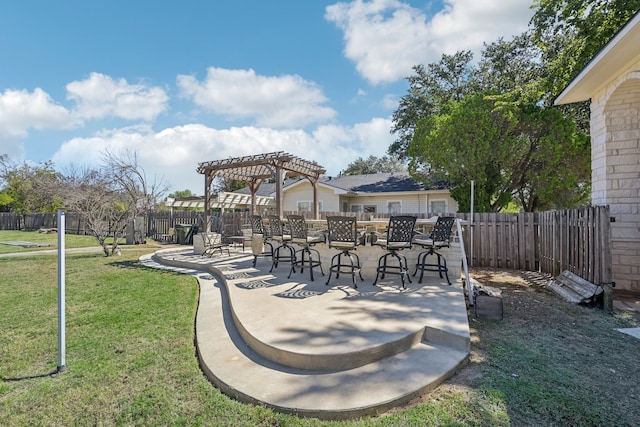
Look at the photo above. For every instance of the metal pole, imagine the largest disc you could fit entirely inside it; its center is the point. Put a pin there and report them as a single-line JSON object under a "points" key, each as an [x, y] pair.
{"points": [[61, 292], [464, 265], [471, 226]]}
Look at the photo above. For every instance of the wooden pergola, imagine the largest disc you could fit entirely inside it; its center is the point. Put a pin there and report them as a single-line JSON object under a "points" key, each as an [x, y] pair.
{"points": [[254, 170]]}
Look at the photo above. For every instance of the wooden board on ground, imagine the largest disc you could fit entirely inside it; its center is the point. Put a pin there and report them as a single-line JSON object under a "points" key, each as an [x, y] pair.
{"points": [[574, 289], [25, 244]]}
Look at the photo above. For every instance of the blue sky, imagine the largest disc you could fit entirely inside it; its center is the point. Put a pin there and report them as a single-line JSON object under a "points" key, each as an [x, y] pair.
{"points": [[182, 82]]}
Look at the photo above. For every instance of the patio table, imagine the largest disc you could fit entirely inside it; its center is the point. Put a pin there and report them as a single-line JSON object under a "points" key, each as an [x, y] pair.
{"points": [[238, 240]]}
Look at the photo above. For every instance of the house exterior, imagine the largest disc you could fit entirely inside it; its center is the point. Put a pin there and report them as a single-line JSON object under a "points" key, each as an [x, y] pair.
{"points": [[380, 193], [611, 80]]}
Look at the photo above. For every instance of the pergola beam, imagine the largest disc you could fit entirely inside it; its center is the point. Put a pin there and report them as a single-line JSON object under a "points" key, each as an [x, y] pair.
{"points": [[255, 169]]}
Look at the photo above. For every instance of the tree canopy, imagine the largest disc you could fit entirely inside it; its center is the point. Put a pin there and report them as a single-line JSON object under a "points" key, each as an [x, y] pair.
{"points": [[181, 193], [108, 196], [28, 187], [494, 122], [520, 151], [432, 87], [569, 33], [373, 164]]}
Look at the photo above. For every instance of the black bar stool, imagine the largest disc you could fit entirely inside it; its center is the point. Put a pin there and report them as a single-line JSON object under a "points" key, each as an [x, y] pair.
{"points": [[399, 236], [300, 236], [438, 238], [278, 235], [259, 231], [342, 234]]}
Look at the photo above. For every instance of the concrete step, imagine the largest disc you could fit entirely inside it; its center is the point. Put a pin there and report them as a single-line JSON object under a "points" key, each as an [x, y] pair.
{"points": [[304, 373]]}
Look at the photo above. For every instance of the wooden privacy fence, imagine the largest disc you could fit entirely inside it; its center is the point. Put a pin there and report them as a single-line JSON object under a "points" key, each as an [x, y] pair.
{"points": [[10, 221], [35, 221], [550, 242], [502, 240], [576, 240]]}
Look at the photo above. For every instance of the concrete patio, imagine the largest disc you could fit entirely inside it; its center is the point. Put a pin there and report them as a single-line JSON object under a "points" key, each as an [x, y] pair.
{"points": [[331, 352]]}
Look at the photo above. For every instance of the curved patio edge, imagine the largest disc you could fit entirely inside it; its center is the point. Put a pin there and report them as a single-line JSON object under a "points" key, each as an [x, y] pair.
{"points": [[239, 371]]}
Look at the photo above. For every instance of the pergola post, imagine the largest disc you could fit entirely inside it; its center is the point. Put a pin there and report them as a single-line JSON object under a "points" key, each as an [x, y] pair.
{"points": [[279, 177], [253, 187], [207, 202], [316, 203]]}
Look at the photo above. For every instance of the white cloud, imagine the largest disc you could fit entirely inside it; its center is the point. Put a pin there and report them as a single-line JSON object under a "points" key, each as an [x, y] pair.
{"points": [[174, 153], [101, 96], [386, 38], [282, 101], [390, 102], [467, 24], [13, 148], [21, 110]]}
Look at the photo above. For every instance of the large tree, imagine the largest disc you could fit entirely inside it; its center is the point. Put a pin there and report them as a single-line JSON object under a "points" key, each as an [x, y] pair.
{"points": [[430, 88], [510, 68], [514, 150], [518, 146], [129, 177], [571, 32], [105, 208], [28, 187]]}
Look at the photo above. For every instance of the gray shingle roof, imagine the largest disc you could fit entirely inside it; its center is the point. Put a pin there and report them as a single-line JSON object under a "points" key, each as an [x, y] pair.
{"points": [[265, 189], [371, 183]]}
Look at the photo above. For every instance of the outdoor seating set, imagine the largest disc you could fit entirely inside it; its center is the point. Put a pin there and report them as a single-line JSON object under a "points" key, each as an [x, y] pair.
{"points": [[223, 236], [342, 233]]}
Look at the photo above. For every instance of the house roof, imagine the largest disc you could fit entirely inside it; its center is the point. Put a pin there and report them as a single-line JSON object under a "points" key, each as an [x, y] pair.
{"points": [[616, 56], [380, 183], [370, 183]]}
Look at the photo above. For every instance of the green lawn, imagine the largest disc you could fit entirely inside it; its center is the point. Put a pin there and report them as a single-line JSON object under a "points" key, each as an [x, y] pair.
{"points": [[48, 239], [131, 359], [130, 352]]}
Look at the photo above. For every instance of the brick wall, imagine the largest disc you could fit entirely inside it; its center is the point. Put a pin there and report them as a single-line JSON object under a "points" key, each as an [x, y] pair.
{"points": [[615, 155]]}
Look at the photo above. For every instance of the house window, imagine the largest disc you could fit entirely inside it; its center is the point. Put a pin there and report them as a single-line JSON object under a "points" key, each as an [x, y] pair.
{"points": [[438, 206], [307, 206], [370, 208], [356, 208], [394, 207], [345, 206]]}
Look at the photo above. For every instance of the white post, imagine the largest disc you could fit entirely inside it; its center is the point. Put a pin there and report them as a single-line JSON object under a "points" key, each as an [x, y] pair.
{"points": [[61, 292], [471, 226], [464, 264]]}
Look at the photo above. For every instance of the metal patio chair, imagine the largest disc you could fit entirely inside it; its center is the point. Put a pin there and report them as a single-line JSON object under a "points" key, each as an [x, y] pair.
{"points": [[438, 238], [399, 236], [279, 235], [342, 234], [259, 231], [306, 256]]}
